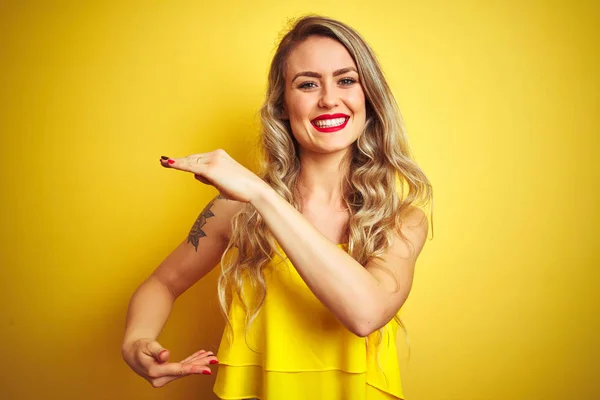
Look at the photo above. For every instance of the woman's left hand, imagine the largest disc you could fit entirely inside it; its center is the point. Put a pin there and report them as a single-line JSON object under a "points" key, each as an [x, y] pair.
{"points": [[219, 169]]}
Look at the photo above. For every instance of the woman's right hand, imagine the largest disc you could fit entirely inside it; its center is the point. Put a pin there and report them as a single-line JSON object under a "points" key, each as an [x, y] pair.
{"points": [[149, 360]]}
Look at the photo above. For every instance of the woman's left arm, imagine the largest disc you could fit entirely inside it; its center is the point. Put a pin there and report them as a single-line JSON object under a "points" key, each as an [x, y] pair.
{"points": [[363, 298]]}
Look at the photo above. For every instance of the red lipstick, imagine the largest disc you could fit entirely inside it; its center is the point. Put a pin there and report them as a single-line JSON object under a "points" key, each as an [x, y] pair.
{"points": [[330, 128]]}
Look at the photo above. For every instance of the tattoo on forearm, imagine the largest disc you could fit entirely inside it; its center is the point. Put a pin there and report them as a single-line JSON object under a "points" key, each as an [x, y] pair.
{"points": [[196, 232]]}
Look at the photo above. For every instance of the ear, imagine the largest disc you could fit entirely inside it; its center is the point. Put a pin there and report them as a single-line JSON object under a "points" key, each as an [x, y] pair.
{"points": [[284, 113]]}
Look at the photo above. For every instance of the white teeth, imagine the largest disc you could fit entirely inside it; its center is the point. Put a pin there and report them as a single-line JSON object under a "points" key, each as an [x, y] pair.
{"points": [[329, 123]]}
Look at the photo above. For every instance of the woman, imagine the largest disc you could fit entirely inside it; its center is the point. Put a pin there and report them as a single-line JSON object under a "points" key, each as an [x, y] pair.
{"points": [[317, 251]]}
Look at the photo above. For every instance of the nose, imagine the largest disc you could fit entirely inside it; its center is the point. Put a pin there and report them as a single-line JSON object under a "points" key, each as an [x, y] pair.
{"points": [[329, 98]]}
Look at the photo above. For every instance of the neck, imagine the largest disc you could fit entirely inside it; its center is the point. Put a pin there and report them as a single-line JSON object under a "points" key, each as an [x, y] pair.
{"points": [[320, 181]]}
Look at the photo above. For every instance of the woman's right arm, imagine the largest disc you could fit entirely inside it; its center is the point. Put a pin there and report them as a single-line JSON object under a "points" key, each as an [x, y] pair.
{"points": [[151, 303]]}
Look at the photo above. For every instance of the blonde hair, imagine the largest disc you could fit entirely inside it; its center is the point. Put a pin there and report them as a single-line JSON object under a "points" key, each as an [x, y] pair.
{"points": [[376, 162]]}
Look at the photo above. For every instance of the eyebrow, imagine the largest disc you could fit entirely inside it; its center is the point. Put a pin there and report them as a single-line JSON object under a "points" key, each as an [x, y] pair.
{"points": [[317, 75]]}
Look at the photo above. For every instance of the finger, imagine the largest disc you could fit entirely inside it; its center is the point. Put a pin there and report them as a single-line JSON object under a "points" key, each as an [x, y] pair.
{"points": [[189, 164], [204, 359], [169, 162], [198, 353], [163, 380], [197, 158], [194, 161], [192, 158], [176, 369], [156, 351], [201, 369]]}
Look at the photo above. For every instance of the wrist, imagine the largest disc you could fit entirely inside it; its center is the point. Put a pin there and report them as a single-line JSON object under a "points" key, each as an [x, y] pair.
{"points": [[262, 194], [126, 345], [129, 343]]}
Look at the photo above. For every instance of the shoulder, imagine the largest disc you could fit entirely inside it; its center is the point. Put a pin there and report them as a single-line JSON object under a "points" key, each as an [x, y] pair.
{"points": [[413, 216], [395, 268], [414, 227]]}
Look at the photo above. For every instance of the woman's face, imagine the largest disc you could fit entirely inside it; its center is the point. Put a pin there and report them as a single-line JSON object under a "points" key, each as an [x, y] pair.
{"points": [[324, 99]]}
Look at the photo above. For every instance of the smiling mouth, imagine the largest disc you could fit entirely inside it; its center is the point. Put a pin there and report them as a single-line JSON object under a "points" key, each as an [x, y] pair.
{"points": [[330, 123]]}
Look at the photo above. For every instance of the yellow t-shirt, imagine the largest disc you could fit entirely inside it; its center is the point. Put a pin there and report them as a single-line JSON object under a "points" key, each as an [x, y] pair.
{"points": [[296, 349]]}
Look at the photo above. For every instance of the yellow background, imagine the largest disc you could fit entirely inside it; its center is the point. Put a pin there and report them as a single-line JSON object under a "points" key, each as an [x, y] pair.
{"points": [[500, 100]]}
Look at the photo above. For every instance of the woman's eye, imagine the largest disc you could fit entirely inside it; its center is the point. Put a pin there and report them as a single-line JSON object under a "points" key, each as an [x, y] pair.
{"points": [[312, 85], [307, 85], [347, 81]]}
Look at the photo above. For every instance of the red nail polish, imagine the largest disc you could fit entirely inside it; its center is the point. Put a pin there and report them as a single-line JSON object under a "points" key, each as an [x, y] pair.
{"points": [[213, 362], [207, 372], [171, 161]]}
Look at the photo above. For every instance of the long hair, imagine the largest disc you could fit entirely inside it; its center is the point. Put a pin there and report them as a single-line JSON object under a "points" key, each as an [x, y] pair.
{"points": [[379, 162]]}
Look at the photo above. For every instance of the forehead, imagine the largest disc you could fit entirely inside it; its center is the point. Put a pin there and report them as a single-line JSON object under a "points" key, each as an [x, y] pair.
{"points": [[318, 54]]}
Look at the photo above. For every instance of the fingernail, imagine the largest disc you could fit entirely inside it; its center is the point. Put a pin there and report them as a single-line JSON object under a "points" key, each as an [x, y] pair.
{"points": [[213, 362], [207, 372], [171, 161], [164, 157]]}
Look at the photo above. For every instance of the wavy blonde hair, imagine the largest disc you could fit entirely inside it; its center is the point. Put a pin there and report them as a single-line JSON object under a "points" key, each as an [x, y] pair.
{"points": [[376, 162]]}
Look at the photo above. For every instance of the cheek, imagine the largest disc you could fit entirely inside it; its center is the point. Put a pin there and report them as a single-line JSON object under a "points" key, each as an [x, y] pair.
{"points": [[298, 109], [357, 102]]}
